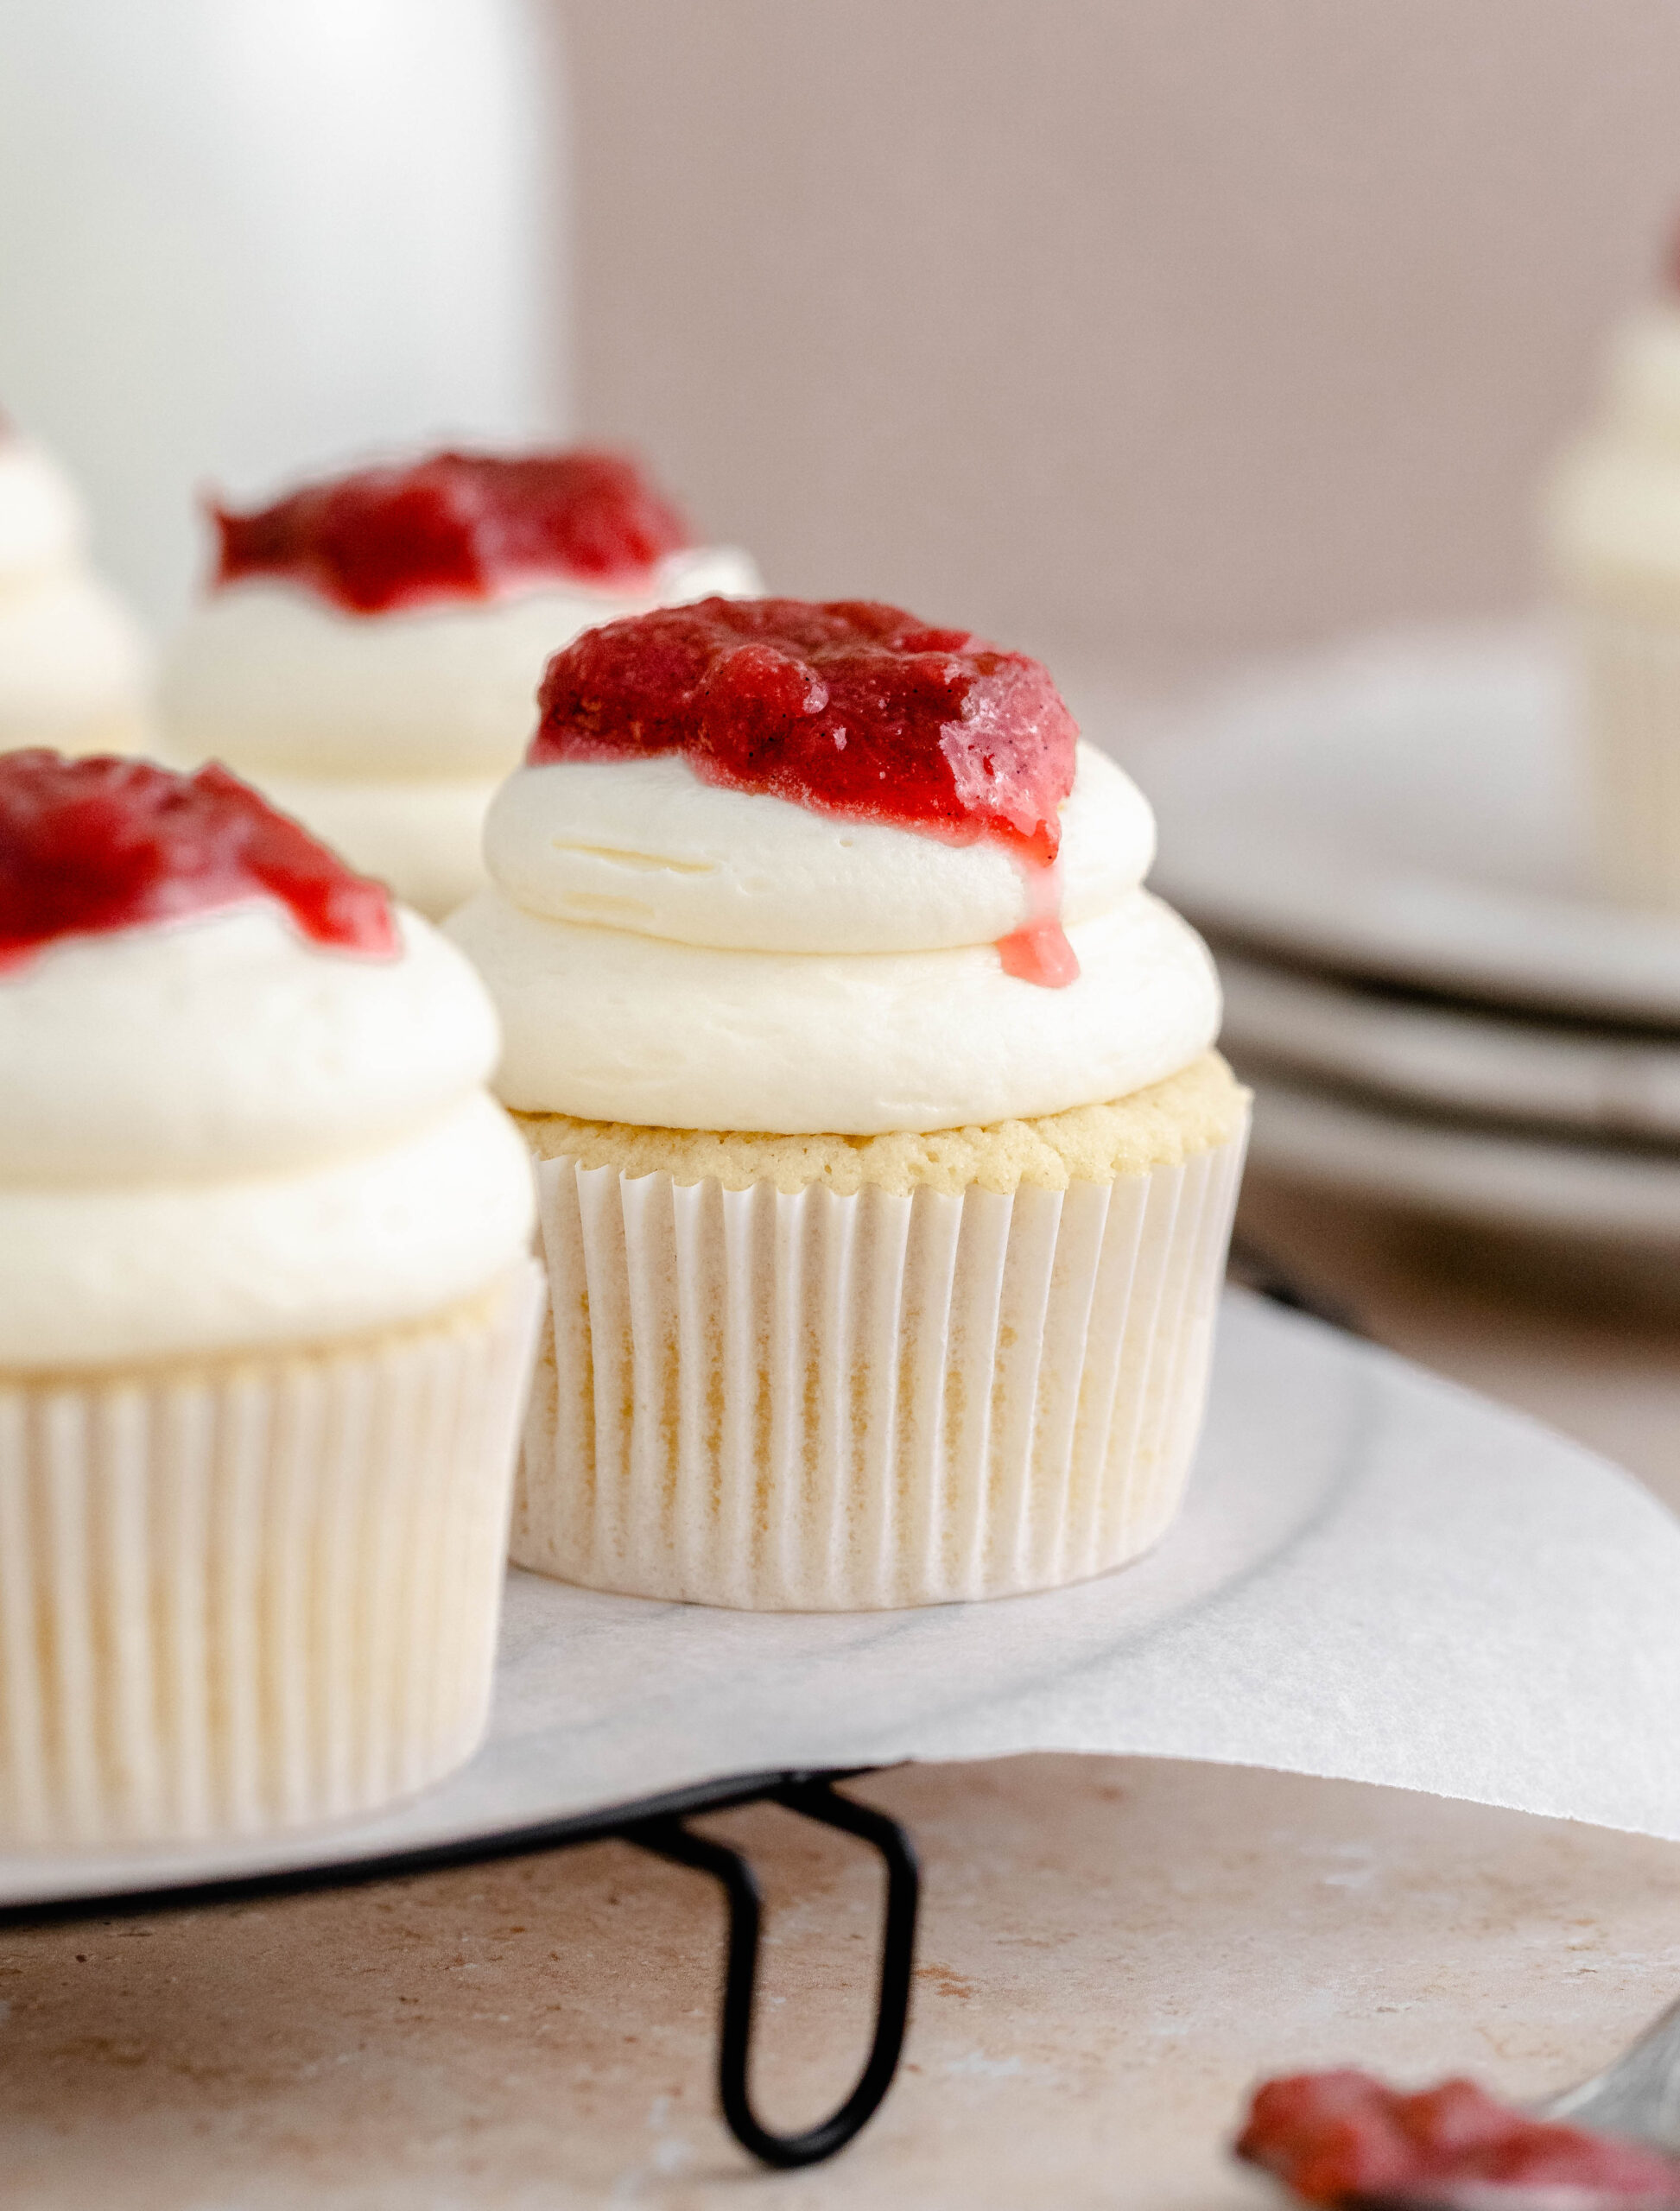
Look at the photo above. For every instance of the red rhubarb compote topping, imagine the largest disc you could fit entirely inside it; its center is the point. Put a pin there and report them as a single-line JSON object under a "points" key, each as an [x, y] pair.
{"points": [[457, 526], [1344, 2136], [849, 708], [93, 845]]}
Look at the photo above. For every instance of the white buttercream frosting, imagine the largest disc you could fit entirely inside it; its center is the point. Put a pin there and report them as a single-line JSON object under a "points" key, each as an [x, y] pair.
{"points": [[646, 845], [42, 526], [388, 733], [771, 968], [216, 1137], [269, 675], [424, 838], [74, 666], [1613, 506]]}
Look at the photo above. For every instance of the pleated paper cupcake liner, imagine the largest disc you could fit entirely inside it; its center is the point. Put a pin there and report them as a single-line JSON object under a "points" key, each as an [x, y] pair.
{"points": [[811, 1403], [1630, 705], [258, 1595]]}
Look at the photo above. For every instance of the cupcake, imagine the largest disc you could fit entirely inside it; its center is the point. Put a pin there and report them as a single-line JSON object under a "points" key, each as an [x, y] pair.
{"points": [[370, 647], [1613, 530], [885, 1168], [73, 668], [266, 1315]]}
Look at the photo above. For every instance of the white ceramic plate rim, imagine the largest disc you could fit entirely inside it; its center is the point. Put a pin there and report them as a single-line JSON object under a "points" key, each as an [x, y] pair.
{"points": [[1239, 858], [1359, 1148], [1450, 1057]]}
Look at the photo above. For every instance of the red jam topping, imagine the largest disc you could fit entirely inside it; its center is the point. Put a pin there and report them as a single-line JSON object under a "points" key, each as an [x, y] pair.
{"points": [[93, 845], [457, 525], [1335, 2137], [849, 708]]}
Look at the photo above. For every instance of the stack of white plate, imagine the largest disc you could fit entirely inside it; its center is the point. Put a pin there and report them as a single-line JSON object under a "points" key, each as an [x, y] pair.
{"points": [[1387, 850]]}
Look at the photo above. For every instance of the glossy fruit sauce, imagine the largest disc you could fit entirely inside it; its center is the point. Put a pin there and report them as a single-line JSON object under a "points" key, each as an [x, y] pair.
{"points": [[457, 526], [848, 707], [1345, 2137], [90, 847]]}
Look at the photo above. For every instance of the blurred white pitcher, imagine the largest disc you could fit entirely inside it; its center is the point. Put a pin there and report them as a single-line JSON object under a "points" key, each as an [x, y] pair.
{"points": [[244, 239]]}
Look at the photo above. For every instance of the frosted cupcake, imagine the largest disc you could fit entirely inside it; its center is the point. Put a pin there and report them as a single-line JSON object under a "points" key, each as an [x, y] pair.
{"points": [[73, 667], [885, 1168], [265, 1319], [1613, 524], [370, 647]]}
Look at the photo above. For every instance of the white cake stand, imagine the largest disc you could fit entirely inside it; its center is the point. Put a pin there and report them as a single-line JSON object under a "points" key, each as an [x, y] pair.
{"points": [[1341, 1596]]}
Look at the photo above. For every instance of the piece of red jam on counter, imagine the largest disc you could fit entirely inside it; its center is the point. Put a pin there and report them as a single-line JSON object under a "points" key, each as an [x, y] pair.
{"points": [[1345, 2137], [457, 526], [849, 708], [92, 846]]}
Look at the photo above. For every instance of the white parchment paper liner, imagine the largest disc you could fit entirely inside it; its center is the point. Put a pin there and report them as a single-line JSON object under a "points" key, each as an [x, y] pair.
{"points": [[1376, 1576], [799, 1401], [1630, 675], [259, 1594]]}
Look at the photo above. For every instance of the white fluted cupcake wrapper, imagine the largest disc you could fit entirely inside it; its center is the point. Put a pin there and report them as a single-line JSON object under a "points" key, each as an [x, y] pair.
{"points": [[1630, 707], [258, 1595], [806, 1401]]}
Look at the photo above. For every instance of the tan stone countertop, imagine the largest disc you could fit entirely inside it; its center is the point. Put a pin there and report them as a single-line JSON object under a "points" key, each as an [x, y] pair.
{"points": [[1111, 1949]]}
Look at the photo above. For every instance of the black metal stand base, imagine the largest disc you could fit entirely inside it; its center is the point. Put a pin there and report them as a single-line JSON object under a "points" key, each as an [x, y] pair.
{"points": [[816, 1799], [657, 1827]]}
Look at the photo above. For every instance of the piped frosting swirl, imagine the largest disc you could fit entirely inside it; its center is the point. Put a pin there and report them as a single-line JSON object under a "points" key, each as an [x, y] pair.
{"points": [[670, 949], [220, 1133]]}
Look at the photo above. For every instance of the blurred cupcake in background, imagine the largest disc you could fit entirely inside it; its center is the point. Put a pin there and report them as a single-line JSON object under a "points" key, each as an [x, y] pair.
{"points": [[370, 646], [1613, 532], [74, 668]]}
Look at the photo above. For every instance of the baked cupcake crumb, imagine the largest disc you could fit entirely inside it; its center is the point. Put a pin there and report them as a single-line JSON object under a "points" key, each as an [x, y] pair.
{"points": [[1202, 1105]]}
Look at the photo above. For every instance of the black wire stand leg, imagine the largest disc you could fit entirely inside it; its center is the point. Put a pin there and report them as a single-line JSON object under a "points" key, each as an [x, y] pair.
{"points": [[816, 1799]]}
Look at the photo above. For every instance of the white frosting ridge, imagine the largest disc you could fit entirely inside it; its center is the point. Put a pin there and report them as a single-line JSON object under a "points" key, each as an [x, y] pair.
{"points": [[667, 952], [646, 845], [96, 1277], [216, 1137], [1613, 506], [74, 667], [41, 516], [223, 1044], [1642, 396], [424, 838], [610, 1025], [268, 675], [71, 659]]}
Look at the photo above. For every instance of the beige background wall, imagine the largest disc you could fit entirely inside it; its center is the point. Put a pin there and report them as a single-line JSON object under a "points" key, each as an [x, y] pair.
{"points": [[1150, 328]]}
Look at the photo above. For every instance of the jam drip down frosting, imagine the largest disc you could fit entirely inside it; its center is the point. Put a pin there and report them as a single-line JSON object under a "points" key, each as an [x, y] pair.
{"points": [[457, 526], [91, 846], [850, 708]]}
